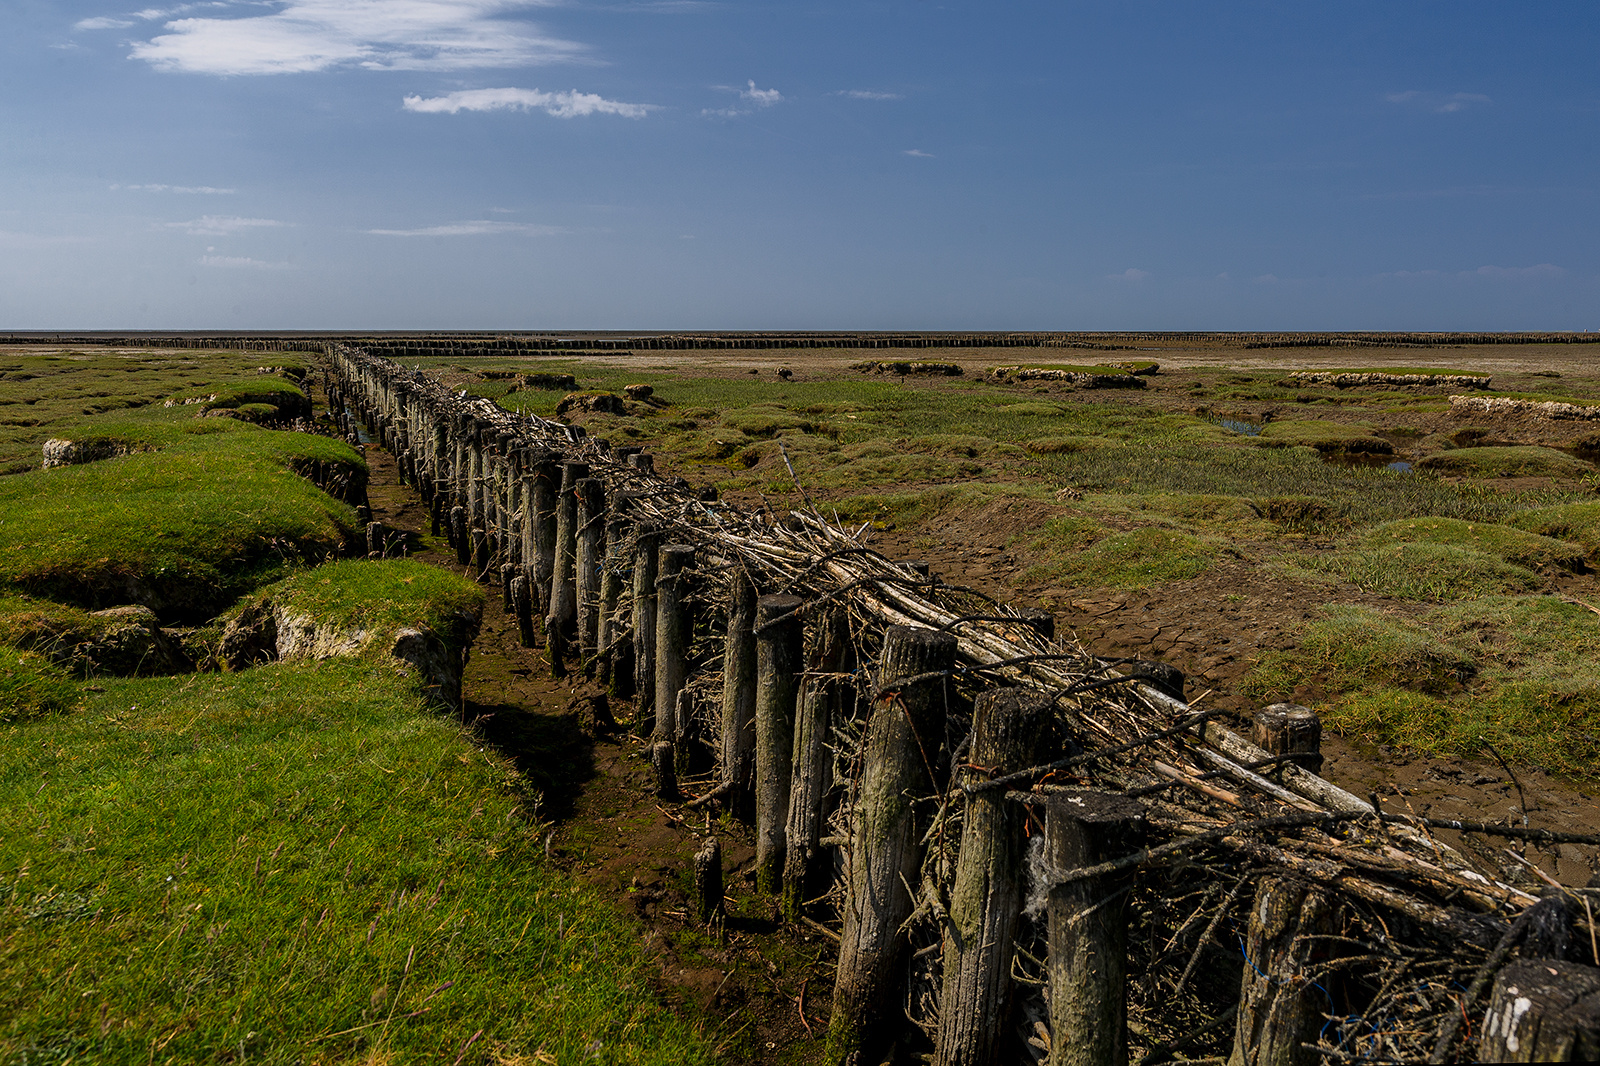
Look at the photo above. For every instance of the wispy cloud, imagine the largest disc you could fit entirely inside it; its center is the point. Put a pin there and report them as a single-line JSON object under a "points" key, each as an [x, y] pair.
{"points": [[755, 97], [571, 104], [867, 94], [102, 24], [202, 190], [1440, 103], [760, 97], [1541, 270], [312, 35], [919, 153], [223, 225], [1131, 274], [237, 262], [475, 228]]}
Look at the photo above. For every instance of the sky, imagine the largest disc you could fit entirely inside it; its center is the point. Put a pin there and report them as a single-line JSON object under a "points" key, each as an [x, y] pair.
{"points": [[728, 164]]}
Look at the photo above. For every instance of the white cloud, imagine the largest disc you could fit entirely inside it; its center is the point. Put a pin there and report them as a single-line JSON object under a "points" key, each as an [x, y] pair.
{"points": [[203, 190], [1131, 274], [223, 226], [1542, 270], [722, 112], [760, 97], [867, 94], [312, 35], [919, 153], [101, 24], [1441, 103], [571, 104], [475, 228], [235, 262]]}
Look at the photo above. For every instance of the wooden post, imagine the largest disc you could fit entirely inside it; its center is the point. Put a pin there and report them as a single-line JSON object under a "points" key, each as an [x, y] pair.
{"points": [[666, 772], [563, 610], [1542, 1010], [1009, 726], [591, 548], [812, 773], [780, 651], [1278, 1010], [674, 628], [903, 734], [646, 552], [459, 538], [739, 693], [708, 881], [375, 540], [1089, 927], [1041, 622], [480, 553], [1166, 678], [522, 606], [614, 664], [1289, 729], [546, 491], [507, 572]]}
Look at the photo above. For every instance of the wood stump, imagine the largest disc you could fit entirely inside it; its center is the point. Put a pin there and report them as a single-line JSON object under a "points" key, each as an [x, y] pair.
{"points": [[780, 652], [1279, 1010], [1542, 1010]]}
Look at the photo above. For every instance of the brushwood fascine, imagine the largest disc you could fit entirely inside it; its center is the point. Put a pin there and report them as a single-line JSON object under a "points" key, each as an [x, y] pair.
{"points": [[1016, 844]]}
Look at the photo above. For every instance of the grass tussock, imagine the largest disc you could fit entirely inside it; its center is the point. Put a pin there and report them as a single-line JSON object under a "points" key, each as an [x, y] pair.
{"points": [[1575, 522], [1515, 546], [1421, 571], [1326, 437], [296, 864], [32, 686], [1134, 559], [382, 596]]}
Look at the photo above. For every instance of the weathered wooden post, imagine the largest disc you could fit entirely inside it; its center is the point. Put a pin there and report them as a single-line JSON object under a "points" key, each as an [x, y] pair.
{"points": [[907, 720], [508, 571], [812, 773], [563, 612], [522, 607], [1009, 726], [674, 628], [459, 538], [646, 568], [376, 537], [614, 664], [1279, 1009], [1089, 927], [481, 550], [780, 653], [738, 748], [1542, 1010], [546, 492], [1289, 729], [708, 881], [591, 548], [661, 759]]}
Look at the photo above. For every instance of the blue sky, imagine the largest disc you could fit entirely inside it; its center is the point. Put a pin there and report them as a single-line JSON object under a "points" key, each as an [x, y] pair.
{"points": [[905, 164]]}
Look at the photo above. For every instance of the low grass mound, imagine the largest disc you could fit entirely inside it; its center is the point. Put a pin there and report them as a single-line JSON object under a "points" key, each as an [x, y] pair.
{"points": [[1575, 522], [383, 596], [1326, 437], [1423, 571], [297, 863], [1068, 444], [1515, 460], [1515, 546], [184, 530], [124, 641], [1135, 559], [1353, 647], [1031, 409], [266, 392], [1515, 671]]}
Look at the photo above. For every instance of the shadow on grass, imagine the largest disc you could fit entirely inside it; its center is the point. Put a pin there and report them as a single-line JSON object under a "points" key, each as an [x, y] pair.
{"points": [[551, 750]]}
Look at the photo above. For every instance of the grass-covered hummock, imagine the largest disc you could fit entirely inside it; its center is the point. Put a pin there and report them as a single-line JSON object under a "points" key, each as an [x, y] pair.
{"points": [[1517, 460], [1134, 559], [184, 530], [1515, 546], [1575, 522], [296, 864], [32, 686], [1326, 437], [1420, 571]]}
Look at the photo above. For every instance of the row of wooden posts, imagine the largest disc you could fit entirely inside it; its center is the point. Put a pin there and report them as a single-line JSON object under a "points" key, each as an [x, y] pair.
{"points": [[615, 597]]}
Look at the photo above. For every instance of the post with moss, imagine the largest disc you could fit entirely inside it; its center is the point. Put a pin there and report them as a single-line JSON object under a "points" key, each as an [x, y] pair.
{"points": [[522, 607], [780, 653], [1009, 727], [591, 551], [812, 774], [904, 728], [1280, 1009], [674, 630], [563, 612], [646, 552], [1089, 927], [737, 756], [708, 881], [460, 539]]}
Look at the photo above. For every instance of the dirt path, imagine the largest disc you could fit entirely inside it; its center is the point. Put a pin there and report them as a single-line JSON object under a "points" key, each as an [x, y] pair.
{"points": [[746, 985]]}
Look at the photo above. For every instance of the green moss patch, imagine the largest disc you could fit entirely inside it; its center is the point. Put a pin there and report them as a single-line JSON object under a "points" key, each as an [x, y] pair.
{"points": [[1135, 559], [1520, 460], [1423, 571]]}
